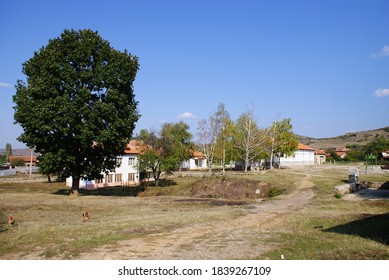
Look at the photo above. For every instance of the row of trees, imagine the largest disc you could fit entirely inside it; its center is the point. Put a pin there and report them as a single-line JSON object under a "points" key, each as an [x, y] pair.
{"points": [[244, 140], [219, 138]]}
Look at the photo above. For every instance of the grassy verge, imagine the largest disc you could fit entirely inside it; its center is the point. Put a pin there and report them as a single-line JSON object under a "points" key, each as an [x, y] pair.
{"points": [[334, 228]]}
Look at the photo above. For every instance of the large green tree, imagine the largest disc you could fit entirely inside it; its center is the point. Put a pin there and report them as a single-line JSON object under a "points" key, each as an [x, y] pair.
{"points": [[177, 139], [78, 104]]}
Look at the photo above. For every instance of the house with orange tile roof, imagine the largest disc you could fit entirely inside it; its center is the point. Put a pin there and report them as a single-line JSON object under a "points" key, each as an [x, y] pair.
{"points": [[341, 152], [304, 155], [320, 157], [127, 173], [28, 160], [196, 162]]}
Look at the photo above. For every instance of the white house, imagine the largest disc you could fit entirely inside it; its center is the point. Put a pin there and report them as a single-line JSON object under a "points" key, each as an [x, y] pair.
{"points": [[126, 174], [197, 161], [304, 155]]}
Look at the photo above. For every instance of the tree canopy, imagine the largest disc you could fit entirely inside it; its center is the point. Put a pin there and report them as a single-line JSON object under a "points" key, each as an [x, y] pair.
{"points": [[78, 106], [282, 140], [164, 151]]}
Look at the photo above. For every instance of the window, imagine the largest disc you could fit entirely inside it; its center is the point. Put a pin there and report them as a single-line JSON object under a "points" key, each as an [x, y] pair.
{"points": [[119, 161], [131, 161], [99, 181], [131, 176], [109, 178], [118, 177]]}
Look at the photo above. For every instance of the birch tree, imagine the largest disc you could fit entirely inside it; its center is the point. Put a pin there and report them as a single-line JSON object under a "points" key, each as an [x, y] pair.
{"points": [[225, 134], [210, 131], [249, 139]]}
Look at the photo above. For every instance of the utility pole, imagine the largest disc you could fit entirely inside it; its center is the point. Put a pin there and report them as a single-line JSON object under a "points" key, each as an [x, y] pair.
{"points": [[31, 163]]}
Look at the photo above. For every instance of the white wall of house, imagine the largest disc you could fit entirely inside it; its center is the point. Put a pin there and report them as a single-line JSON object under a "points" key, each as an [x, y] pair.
{"points": [[320, 159], [300, 157], [194, 163], [126, 174]]}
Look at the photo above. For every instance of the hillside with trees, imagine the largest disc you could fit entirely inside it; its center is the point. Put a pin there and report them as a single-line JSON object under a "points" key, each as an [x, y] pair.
{"points": [[349, 139]]}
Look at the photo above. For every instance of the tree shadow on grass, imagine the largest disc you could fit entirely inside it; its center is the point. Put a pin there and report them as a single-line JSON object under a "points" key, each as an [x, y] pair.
{"points": [[106, 191], [118, 190], [374, 227]]}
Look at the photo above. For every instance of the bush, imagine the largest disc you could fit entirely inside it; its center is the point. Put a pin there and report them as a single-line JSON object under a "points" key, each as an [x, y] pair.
{"points": [[338, 196], [274, 191]]}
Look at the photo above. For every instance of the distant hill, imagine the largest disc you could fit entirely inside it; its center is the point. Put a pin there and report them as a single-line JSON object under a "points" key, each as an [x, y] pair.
{"points": [[19, 152], [356, 138]]}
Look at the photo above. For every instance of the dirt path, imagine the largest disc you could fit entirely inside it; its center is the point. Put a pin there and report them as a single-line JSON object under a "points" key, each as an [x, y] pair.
{"points": [[239, 238]]}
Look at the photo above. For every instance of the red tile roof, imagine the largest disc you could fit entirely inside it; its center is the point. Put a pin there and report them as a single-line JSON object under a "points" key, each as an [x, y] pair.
{"points": [[24, 158], [305, 147], [198, 155], [320, 152], [134, 147]]}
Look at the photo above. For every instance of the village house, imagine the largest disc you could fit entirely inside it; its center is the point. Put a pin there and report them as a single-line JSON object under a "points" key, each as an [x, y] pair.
{"points": [[196, 162], [28, 160], [128, 171], [341, 152], [304, 155], [320, 157], [126, 174]]}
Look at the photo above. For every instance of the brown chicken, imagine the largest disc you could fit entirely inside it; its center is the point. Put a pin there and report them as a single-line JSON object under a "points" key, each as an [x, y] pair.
{"points": [[85, 216], [11, 220]]}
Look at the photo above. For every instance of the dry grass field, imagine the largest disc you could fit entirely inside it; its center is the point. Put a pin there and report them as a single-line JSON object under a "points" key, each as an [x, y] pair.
{"points": [[291, 211]]}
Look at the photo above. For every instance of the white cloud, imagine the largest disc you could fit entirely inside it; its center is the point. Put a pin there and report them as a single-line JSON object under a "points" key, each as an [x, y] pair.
{"points": [[381, 92], [2, 84], [186, 115], [384, 52]]}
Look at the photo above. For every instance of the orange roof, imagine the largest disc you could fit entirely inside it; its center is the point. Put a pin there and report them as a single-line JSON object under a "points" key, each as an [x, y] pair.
{"points": [[198, 155], [320, 152], [134, 147], [305, 147], [340, 154], [24, 158]]}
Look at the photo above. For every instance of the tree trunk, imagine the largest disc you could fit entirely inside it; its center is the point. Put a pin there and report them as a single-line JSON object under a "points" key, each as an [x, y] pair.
{"points": [[210, 162], [246, 163], [75, 186], [224, 158], [156, 175], [48, 178]]}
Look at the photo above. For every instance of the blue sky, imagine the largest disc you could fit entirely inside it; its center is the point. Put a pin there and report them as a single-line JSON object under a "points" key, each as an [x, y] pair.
{"points": [[323, 63]]}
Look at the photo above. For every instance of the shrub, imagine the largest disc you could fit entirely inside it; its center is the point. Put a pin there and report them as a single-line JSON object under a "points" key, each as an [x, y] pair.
{"points": [[338, 196]]}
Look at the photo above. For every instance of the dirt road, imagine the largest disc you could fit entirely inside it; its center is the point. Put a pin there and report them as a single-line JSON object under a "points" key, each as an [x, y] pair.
{"points": [[239, 238]]}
